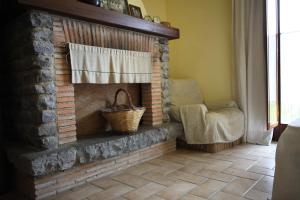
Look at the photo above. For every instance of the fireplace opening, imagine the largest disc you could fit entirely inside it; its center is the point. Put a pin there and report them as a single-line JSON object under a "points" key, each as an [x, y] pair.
{"points": [[91, 98]]}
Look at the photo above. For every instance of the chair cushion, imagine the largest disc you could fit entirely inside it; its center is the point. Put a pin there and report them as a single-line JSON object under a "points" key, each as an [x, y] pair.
{"points": [[185, 92]]}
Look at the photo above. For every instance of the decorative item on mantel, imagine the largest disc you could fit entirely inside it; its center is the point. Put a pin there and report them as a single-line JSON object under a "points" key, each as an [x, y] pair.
{"points": [[123, 118], [156, 19], [93, 2], [148, 18], [118, 5], [135, 11], [115, 5]]}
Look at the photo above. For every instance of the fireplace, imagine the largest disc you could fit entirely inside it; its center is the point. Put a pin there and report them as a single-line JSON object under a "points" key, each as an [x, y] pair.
{"points": [[79, 104], [61, 140]]}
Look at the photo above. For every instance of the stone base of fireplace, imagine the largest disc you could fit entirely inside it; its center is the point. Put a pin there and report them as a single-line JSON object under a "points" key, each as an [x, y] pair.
{"points": [[49, 172]]}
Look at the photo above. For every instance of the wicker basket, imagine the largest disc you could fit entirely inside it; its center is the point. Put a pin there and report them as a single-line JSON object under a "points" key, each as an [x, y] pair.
{"points": [[121, 118]]}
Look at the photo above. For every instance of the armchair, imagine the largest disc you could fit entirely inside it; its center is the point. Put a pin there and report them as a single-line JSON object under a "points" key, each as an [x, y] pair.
{"points": [[209, 126]]}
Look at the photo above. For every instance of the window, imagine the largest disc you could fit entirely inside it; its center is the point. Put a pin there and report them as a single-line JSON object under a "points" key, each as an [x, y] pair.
{"points": [[289, 60], [283, 31], [273, 59]]}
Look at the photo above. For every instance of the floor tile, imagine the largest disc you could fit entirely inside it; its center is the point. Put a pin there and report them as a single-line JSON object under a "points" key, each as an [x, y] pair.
{"points": [[208, 188], [163, 170], [265, 185], [79, 193], [191, 197], [242, 173], [154, 197], [167, 164], [194, 167], [191, 178], [177, 159], [243, 164], [216, 175], [118, 198], [226, 196], [111, 193], [266, 163], [158, 178], [245, 156], [218, 167], [261, 170], [105, 183], [144, 192], [239, 186], [177, 190], [141, 169], [131, 180], [224, 157], [257, 195]]}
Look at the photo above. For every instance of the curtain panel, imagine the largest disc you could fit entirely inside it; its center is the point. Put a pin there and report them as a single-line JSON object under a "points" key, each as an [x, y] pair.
{"points": [[250, 67]]}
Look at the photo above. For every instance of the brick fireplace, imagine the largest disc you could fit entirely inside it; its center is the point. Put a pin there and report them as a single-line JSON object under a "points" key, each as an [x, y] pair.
{"points": [[51, 117]]}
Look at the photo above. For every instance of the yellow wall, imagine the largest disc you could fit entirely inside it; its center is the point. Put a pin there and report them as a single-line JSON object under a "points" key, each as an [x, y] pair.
{"points": [[156, 8], [203, 51]]}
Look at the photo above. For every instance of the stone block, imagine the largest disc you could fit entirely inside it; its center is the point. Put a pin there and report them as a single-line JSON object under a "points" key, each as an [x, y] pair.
{"points": [[44, 88], [40, 19], [50, 142], [42, 34], [43, 62], [164, 49], [66, 159], [46, 102], [43, 47], [163, 41], [49, 129], [164, 58], [48, 116]]}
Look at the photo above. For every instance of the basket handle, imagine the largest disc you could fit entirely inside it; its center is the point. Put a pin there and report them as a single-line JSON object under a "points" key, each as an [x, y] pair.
{"points": [[128, 98]]}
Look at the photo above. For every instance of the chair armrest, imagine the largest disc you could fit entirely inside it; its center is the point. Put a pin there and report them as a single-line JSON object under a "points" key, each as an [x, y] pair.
{"points": [[215, 105], [175, 111]]}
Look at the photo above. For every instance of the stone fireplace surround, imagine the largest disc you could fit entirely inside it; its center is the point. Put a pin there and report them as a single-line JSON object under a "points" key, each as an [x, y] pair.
{"points": [[48, 157]]}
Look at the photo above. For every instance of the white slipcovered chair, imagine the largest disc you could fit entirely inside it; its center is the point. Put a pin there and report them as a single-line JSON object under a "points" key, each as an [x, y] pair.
{"points": [[204, 123], [287, 173]]}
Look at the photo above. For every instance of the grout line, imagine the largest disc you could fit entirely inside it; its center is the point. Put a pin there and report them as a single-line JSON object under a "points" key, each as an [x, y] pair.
{"points": [[256, 182]]}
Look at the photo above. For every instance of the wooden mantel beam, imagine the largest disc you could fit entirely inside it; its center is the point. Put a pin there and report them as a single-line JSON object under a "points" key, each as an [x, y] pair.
{"points": [[87, 12]]}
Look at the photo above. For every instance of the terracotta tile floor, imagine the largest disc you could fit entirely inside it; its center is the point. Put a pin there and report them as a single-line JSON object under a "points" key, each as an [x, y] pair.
{"points": [[244, 172]]}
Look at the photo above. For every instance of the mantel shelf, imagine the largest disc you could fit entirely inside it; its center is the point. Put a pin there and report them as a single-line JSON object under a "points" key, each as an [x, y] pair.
{"points": [[83, 11]]}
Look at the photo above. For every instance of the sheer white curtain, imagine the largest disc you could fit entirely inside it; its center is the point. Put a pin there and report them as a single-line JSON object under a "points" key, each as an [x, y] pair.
{"points": [[249, 47]]}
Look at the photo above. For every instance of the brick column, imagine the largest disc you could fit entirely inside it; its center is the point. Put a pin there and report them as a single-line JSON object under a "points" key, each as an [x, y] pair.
{"points": [[151, 93], [66, 119]]}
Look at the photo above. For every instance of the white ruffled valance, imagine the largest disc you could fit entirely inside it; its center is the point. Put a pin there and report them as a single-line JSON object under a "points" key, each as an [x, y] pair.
{"points": [[91, 64]]}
